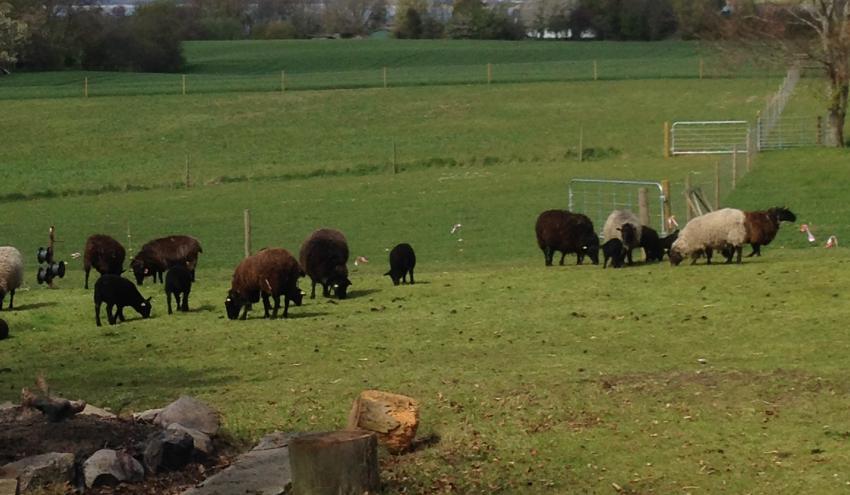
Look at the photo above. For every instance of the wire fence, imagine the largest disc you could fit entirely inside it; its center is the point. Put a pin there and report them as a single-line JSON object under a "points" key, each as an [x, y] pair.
{"points": [[94, 84]]}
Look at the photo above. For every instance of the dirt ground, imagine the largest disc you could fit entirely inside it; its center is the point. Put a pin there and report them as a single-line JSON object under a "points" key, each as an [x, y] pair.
{"points": [[25, 432]]}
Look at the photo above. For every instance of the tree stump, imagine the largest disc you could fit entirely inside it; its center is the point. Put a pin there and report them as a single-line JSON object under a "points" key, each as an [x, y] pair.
{"points": [[393, 417], [334, 463]]}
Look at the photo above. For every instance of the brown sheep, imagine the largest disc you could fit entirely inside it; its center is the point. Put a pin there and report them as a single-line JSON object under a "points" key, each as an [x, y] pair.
{"points": [[269, 273], [762, 226], [159, 255], [561, 230], [323, 256], [104, 254]]}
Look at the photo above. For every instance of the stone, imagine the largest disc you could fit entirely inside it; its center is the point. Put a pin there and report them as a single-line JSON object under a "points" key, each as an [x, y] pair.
{"points": [[203, 443], [7, 406], [264, 470], [9, 486], [191, 413], [91, 410], [149, 416], [40, 470], [168, 450], [393, 417], [110, 467]]}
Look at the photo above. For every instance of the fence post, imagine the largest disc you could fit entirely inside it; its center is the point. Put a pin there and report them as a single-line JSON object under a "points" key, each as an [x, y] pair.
{"points": [[282, 81], [687, 196], [758, 130], [749, 150], [665, 190], [595, 71], [580, 143], [643, 206], [395, 158], [820, 131], [385, 78], [716, 185], [188, 178], [489, 73], [666, 139], [734, 166], [184, 84], [247, 223], [86, 87]]}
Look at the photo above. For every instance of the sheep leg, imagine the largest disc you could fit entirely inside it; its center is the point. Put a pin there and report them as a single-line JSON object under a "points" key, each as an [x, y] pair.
{"points": [[286, 306], [276, 298], [109, 313], [11, 299], [265, 305], [326, 290], [563, 255], [756, 251], [739, 250], [708, 254], [120, 314], [579, 258], [548, 254], [629, 255], [97, 312], [185, 307], [168, 300], [313, 292], [87, 278], [245, 312], [411, 277]]}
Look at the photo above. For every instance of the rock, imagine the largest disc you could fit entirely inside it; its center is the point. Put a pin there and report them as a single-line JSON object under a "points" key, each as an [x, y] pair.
{"points": [[91, 410], [110, 467], [190, 413], [149, 416], [262, 471], [9, 486], [203, 443], [394, 417], [7, 406], [40, 470], [168, 450]]}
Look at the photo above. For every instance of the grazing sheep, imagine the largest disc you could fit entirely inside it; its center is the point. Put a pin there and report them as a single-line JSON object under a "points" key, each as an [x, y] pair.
{"points": [[561, 230], [11, 273], [269, 273], [104, 254], [626, 226], [762, 226], [715, 230], [323, 256], [178, 281], [653, 248], [158, 255], [115, 290], [613, 250], [402, 261]]}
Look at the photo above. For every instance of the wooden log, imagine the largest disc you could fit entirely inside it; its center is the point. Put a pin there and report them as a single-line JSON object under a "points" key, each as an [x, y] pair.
{"points": [[393, 417], [334, 463]]}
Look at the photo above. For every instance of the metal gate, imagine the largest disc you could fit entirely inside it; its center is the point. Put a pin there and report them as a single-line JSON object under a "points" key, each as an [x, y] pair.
{"points": [[709, 137], [789, 132], [597, 198]]}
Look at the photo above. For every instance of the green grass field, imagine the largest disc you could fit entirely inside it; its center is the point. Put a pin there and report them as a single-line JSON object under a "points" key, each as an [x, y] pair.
{"points": [[652, 379]]}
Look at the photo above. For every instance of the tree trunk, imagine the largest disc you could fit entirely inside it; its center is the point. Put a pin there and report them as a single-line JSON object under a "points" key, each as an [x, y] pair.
{"points": [[393, 417], [335, 463], [838, 113]]}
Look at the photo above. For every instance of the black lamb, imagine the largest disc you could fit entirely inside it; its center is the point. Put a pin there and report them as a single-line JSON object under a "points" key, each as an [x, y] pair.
{"points": [[614, 251], [323, 257], [117, 291], [178, 282], [402, 261]]}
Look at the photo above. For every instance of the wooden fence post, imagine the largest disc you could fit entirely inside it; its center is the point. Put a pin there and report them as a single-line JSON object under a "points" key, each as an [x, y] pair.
{"points": [[581, 143], [395, 158], [184, 84], [385, 78], [734, 166], [86, 87], [643, 206], [820, 130], [749, 150], [188, 178], [247, 222], [690, 213], [666, 139], [716, 185], [665, 190]]}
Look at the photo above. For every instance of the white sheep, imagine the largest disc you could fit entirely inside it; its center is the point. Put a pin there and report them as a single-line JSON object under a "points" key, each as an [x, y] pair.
{"points": [[625, 226], [717, 230], [11, 273]]}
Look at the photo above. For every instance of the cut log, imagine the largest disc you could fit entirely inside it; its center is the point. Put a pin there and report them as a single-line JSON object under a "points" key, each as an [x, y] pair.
{"points": [[55, 408], [334, 463], [393, 417]]}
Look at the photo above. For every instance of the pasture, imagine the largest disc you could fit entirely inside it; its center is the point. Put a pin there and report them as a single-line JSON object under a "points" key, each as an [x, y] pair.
{"points": [[651, 379]]}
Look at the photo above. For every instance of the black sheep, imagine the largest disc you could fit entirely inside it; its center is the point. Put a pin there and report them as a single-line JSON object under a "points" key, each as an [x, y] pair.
{"points": [[653, 249], [270, 273], [667, 241], [614, 251], [323, 257], [178, 281], [104, 254], [402, 261], [561, 230], [158, 255], [118, 291]]}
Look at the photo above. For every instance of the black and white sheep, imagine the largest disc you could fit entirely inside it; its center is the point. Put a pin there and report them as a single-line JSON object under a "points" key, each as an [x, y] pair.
{"points": [[104, 254], [402, 262], [614, 251], [118, 292], [270, 273], [178, 282], [323, 257], [626, 226], [158, 255], [716, 230], [567, 232], [11, 273]]}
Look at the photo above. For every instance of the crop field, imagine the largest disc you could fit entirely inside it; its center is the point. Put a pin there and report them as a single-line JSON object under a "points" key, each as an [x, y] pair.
{"points": [[567, 379]]}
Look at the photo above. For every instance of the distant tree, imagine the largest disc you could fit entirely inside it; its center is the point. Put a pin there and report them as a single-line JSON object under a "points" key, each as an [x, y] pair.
{"points": [[354, 17], [408, 24], [542, 15], [697, 18], [13, 33]]}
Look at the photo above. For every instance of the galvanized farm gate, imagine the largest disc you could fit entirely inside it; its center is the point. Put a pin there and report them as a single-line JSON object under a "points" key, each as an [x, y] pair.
{"points": [[709, 137], [597, 198]]}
